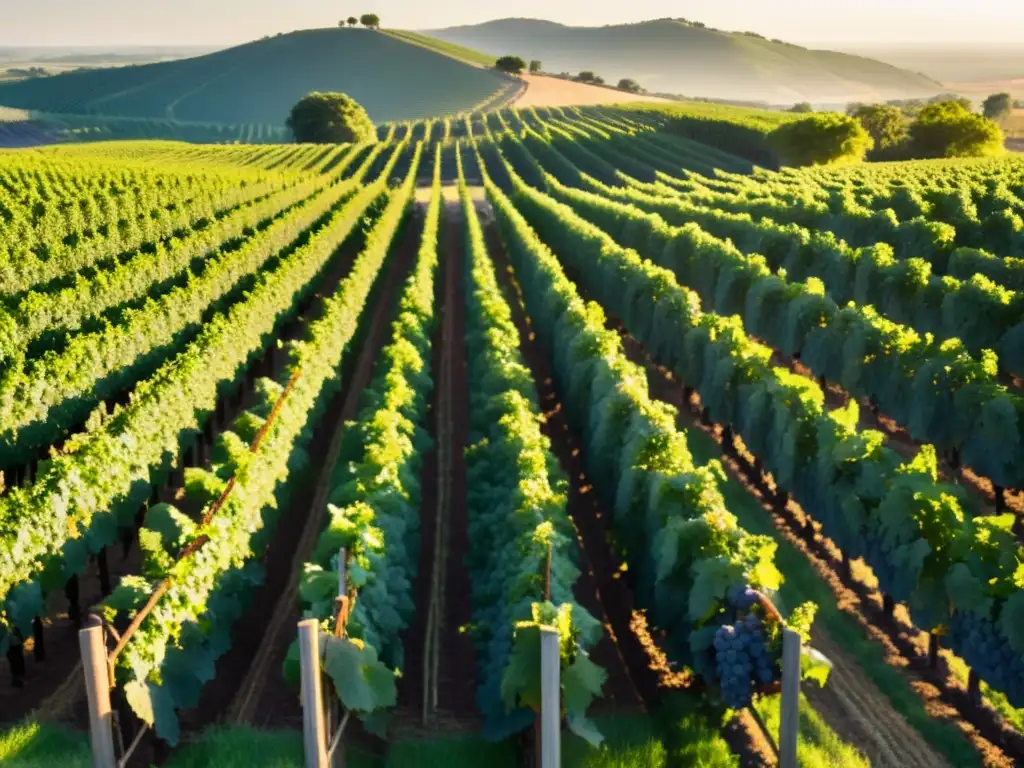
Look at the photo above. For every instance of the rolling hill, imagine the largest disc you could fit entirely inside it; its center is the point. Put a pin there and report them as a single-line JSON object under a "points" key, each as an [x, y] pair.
{"points": [[257, 83], [674, 56]]}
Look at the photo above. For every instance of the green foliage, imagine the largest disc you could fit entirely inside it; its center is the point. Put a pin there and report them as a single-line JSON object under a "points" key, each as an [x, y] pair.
{"points": [[165, 664], [352, 21], [330, 118], [535, 66], [948, 129], [363, 683], [822, 139], [630, 85], [373, 507], [997, 106], [802, 107], [370, 20], [886, 125], [512, 64]]}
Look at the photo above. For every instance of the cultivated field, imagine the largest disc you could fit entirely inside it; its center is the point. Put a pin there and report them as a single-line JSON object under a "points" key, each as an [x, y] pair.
{"points": [[551, 91], [547, 365]]}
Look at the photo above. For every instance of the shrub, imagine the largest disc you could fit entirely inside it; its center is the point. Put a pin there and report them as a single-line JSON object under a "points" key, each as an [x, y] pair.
{"points": [[887, 127], [997, 106], [802, 106], [821, 139], [947, 129], [330, 118], [511, 64], [629, 84]]}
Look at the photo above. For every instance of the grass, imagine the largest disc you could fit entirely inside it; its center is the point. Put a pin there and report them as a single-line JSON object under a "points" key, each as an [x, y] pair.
{"points": [[460, 52], [38, 745], [451, 753], [681, 733], [818, 746], [802, 583]]}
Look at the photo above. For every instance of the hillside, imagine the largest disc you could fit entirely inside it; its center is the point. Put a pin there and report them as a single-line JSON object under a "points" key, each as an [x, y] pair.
{"points": [[258, 82], [670, 56]]}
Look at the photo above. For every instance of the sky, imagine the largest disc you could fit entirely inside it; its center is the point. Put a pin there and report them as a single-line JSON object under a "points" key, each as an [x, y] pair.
{"points": [[216, 22]]}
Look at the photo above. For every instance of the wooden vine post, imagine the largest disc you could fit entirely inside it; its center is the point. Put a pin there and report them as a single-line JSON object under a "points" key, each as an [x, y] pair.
{"points": [[93, 649], [549, 720], [790, 709], [314, 734]]}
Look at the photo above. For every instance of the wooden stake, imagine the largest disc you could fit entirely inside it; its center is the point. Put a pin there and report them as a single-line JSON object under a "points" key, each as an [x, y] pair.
{"points": [[551, 699], [313, 731], [97, 689], [790, 709]]}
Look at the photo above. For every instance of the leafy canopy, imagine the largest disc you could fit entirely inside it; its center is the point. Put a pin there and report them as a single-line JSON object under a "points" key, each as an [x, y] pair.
{"points": [[997, 106], [629, 84], [330, 118], [511, 64], [821, 139], [948, 129], [370, 20], [885, 123]]}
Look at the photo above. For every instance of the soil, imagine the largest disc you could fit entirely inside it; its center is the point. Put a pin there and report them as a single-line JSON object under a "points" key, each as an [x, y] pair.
{"points": [[444, 526], [639, 672], [250, 687], [903, 647]]}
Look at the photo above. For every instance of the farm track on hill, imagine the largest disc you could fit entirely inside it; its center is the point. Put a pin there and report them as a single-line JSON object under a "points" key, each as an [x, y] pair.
{"points": [[262, 697]]}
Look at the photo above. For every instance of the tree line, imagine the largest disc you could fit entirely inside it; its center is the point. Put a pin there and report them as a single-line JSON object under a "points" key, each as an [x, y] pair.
{"points": [[514, 65], [368, 20]]}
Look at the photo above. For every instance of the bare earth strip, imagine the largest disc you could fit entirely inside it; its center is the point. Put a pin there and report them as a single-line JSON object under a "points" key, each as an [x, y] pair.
{"points": [[544, 91]]}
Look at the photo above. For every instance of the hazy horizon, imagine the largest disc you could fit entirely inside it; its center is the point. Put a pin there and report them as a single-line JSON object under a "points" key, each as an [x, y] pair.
{"points": [[106, 23]]}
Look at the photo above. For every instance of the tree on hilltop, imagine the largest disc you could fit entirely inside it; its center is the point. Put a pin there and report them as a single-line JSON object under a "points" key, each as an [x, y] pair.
{"points": [[352, 21], [330, 118], [514, 65], [370, 20], [802, 107], [948, 129], [535, 66], [630, 85], [586, 76], [997, 106]]}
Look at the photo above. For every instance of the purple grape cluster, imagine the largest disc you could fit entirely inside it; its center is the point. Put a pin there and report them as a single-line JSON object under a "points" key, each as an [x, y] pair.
{"points": [[742, 658]]}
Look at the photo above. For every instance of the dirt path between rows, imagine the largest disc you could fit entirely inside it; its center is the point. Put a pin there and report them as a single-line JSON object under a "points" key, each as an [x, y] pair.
{"points": [[437, 693], [263, 697]]}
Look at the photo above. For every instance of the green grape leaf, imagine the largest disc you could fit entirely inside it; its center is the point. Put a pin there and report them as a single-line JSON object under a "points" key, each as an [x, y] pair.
{"points": [[520, 683], [814, 665], [363, 683], [1012, 621], [585, 729], [153, 705], [582, 681]]}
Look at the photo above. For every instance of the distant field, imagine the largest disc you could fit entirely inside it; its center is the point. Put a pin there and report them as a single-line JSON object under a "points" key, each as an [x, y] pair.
{"points": [[440, 46], [551, 91]]}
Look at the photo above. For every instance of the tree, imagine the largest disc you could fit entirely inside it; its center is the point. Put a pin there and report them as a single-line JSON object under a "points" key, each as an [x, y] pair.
{"points": [[587, 76], [330, 118], [370, 20], [947, 129], [802, 107], [887, 126], [511, 64], [820, 139], [535, 66], [352, 21], [944, 97], [997, 106], [629, 84]]}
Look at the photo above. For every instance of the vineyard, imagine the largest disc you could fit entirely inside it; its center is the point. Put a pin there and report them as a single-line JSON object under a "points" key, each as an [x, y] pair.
{"points": [[581, 368]]}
